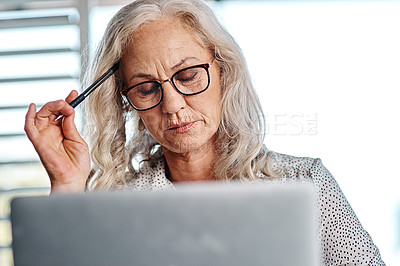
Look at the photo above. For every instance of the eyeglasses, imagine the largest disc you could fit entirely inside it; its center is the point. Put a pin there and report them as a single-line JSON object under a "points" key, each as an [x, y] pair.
{"points": [[188, 81]]}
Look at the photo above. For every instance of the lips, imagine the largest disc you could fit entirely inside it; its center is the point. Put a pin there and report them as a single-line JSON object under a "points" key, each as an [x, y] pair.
{"points": [[181, 127]]}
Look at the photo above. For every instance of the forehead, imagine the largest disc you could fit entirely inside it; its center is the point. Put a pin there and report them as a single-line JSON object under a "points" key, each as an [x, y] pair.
{"points": [[166, 39]]}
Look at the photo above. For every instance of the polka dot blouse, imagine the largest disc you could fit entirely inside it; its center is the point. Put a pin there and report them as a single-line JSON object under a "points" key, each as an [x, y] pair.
{"points": [[342, 238]]}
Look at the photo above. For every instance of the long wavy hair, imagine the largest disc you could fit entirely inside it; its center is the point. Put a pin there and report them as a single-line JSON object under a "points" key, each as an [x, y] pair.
{"points": [[114, 136]]}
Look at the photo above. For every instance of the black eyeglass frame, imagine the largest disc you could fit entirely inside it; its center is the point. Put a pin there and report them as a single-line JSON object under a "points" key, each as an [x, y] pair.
{"points": [[206, 66]]}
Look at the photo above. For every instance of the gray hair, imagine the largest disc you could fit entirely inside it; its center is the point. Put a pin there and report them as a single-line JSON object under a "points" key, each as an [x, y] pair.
{"points": [[240, 136]]}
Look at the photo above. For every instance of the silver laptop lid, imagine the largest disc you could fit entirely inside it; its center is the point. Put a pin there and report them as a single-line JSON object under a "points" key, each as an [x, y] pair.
{"points": [[207, 224]]}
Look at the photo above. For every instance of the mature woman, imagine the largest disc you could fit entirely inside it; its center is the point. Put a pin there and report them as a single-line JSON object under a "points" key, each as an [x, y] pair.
{"points": [[183, 106]]}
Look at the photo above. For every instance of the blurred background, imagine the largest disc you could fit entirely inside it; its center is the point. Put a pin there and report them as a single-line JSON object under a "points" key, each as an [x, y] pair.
{"points": [[327, 74]]}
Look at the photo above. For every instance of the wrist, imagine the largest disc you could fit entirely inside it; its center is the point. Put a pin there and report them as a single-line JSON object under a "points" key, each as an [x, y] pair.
{"points": [[59, 187]]}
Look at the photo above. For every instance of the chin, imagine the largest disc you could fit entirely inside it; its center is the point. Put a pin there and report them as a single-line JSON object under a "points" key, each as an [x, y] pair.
{"points": [[185, 145]]}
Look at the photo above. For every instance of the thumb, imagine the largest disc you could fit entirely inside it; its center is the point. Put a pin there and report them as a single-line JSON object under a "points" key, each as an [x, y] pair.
{"points": [[69, 127], [71, 96]]}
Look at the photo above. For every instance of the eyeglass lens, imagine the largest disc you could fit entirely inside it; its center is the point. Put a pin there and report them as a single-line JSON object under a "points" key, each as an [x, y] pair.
{"points": [[187, 81]]}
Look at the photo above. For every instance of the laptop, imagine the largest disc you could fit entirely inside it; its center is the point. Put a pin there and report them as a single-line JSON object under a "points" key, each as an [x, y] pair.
{"points": [[196, 224]]}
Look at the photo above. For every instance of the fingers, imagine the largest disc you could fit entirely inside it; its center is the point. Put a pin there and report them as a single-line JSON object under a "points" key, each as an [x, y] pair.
{"points": [[36, 122], [56, 108], [48, 114], [30, 128], [50, 111]]}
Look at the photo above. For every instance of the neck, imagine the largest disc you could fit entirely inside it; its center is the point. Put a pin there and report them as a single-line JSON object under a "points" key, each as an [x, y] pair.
{"points": [[191, 166]]}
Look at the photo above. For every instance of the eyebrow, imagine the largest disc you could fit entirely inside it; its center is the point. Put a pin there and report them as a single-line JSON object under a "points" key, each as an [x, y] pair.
{"points": [[175, 67], [183, 61], [140, 75]]}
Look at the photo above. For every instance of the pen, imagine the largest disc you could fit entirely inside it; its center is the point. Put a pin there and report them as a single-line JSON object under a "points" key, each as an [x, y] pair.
{"points": [[81, 97], [94, 86]]}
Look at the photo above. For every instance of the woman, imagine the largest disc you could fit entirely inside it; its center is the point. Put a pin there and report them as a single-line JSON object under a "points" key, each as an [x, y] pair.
{"points": [[182, 104]]}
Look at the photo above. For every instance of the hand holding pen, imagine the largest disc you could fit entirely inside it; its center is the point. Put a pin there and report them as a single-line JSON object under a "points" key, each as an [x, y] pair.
{"points": [[62, 150]]}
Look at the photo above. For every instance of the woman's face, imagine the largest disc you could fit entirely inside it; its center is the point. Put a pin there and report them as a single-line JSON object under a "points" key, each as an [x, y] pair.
{"points": [[181, 124]]}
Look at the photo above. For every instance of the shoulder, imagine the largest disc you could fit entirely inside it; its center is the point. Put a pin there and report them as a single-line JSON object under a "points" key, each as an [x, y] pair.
{"points": [[342, 238], [298, 167]]}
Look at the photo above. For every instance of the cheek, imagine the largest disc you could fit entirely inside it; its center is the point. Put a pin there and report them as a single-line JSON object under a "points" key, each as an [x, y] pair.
{"points": [[151, 119], [215, 105]]}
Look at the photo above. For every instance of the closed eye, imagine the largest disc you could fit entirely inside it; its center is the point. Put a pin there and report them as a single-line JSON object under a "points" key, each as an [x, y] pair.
{"points": [[147, 89], [188, 75]]}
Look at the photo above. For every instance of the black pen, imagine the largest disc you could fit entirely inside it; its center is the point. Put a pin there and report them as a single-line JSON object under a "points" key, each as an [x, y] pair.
{"points": [[94, 86], [81, 97]]}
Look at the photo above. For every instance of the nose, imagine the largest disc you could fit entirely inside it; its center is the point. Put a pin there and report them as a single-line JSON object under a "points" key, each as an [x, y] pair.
{"points": [[172, 101]]}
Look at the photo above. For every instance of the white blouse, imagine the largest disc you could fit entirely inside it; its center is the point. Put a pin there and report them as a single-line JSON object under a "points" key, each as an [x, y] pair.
{"points": [[342, 238]]}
